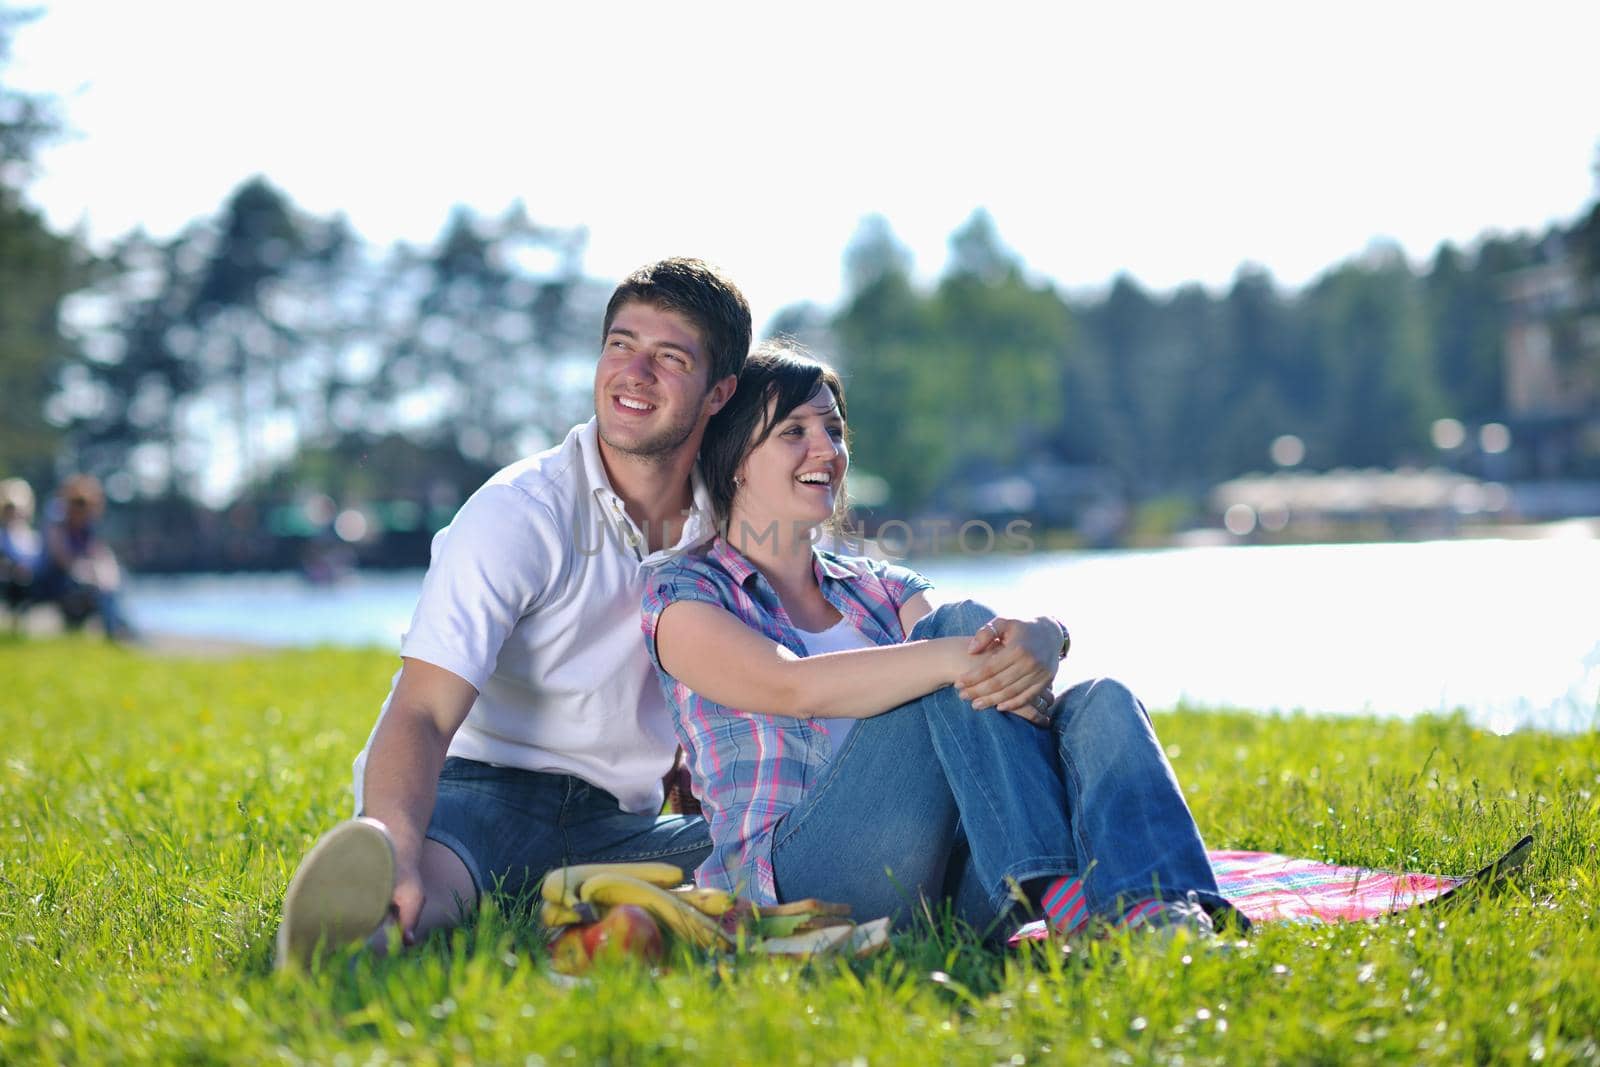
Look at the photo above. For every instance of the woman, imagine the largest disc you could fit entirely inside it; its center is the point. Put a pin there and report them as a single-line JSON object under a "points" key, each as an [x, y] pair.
{"points": [[80, 570], [21, 549], [850, 742]]}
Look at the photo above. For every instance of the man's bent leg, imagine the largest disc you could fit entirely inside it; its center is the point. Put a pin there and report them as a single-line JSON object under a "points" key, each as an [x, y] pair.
{"points": [[493, 829], [507, 827], [449, 897], [339, 894]]}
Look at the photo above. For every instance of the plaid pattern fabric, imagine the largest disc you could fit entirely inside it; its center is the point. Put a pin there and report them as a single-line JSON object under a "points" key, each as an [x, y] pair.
{"points": [[750, 769], [1268, 887], [1272, 888]]}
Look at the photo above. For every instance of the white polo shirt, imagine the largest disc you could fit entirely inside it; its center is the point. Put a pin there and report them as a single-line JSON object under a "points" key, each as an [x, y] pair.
{"points": [[533, 597]]}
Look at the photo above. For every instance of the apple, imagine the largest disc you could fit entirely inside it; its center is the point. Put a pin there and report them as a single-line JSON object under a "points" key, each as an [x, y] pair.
{"points": [[625, 930], [569, 950]]}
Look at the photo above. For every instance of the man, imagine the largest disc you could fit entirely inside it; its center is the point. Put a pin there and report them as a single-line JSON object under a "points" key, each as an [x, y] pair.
{"points": [[525, 729]]}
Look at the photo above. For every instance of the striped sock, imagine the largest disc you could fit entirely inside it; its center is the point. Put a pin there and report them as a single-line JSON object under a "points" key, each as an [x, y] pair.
{"points": [[1064, 905], [1140, 914]]}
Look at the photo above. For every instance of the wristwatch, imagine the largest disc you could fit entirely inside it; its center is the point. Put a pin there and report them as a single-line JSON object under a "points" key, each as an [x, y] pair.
{"points": [[1066, 637]]}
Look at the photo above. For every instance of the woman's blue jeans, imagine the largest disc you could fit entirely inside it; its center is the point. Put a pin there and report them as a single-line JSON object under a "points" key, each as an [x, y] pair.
{"points": [[935, 801]]}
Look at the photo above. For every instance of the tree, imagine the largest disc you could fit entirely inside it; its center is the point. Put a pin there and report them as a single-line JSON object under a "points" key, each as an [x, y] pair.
{"points": [[125, 398], [1372, 337], [487, 316], [879, 329], [37, 270], [1137, 383], [950, 384], [245, 312], [1467, 321]]}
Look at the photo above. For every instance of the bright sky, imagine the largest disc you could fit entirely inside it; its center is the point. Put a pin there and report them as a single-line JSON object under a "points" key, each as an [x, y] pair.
{"points": [[1172, 141]]}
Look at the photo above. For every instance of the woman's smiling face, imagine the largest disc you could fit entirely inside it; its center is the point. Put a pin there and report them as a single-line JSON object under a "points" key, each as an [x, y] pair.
{"points": [[797, 473]]}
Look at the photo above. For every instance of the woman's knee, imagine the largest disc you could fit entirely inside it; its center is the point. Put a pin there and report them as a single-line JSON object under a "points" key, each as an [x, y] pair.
{"points": [[961, 618], [1102, 706]]}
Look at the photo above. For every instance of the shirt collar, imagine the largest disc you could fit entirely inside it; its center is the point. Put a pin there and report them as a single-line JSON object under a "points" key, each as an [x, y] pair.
{"points": [[740, 569], [699, 525]]}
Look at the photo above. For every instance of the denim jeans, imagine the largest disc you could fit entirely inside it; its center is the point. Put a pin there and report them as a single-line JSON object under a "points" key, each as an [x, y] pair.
{"points": [[933, 800], [510, 826]]}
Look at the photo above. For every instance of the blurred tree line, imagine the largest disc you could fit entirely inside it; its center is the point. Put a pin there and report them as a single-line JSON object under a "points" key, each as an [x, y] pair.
{"points": [[267, 357], [990, 371], [242, 385]]}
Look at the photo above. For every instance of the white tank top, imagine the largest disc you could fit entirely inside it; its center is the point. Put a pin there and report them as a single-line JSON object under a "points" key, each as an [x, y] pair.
{"points": [[840, 637]]}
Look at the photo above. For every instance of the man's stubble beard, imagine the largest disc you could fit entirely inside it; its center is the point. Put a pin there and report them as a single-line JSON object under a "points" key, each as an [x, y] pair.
{"points": [[658, 448]]}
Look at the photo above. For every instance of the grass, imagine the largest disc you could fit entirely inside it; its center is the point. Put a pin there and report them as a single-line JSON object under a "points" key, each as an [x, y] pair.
{"points": [[152, 810]]}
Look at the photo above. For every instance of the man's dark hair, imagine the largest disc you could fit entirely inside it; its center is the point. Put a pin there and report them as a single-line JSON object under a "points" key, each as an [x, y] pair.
{"points": [[780, 375], [700, 293]]}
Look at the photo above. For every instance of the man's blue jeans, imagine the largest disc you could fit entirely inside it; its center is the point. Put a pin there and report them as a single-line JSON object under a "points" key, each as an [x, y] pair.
{"points": [[933, 800]]}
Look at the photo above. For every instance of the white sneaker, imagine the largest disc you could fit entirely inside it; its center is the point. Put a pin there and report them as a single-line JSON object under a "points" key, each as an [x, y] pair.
{"points": [[1173, 916], [340, 894]]}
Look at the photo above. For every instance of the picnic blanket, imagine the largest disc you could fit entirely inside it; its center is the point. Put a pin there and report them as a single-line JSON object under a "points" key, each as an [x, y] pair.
{"points": [[1269, 887]]}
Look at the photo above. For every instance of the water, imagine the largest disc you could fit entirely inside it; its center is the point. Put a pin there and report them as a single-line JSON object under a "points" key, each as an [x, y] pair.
{"points": [[1508, 631]]}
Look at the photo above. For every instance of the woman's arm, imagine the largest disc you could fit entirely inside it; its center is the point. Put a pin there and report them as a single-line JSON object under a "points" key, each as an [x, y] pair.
{"points": [[713, 653], [993, 678], [913, 611], [1022, 663]]}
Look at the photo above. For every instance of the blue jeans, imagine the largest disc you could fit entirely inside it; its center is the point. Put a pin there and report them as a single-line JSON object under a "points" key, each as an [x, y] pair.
{"points": [[933, 800], [510, 826]]}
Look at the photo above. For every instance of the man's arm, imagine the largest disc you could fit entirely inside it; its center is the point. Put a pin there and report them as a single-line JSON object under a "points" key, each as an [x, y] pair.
{"points": [[402, 772]]}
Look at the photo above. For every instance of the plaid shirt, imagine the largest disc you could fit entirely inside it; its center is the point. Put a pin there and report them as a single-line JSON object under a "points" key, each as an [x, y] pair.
{"points": [[750, 769]]}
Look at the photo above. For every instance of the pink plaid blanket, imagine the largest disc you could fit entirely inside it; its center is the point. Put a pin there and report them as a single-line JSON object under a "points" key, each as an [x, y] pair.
{"points": [[1268, 887]]}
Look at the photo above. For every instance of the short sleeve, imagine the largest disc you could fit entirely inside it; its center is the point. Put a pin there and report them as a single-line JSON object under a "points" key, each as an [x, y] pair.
{"points": [[901, 583], [490, 567], [668, 584]]}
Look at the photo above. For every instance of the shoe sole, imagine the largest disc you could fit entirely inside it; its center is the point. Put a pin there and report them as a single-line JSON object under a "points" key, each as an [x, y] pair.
{"points": [[340, 894]]}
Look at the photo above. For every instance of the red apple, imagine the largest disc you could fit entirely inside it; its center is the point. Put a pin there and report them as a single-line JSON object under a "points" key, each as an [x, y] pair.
{"points": [[569, 950], [625, 930]]}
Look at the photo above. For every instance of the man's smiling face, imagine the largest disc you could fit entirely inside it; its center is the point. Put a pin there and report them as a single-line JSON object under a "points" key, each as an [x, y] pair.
{"points": [[651, 389]]}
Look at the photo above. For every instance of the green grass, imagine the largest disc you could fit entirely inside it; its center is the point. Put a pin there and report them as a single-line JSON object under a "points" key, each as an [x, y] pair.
{"points": [[152, 810]]}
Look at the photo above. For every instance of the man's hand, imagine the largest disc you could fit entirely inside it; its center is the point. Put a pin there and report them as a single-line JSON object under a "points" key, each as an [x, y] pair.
{"points": [[678, 788], [1018, 664], [406, 906]]}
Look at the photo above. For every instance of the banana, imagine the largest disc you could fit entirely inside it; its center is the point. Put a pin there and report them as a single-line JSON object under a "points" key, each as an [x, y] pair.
{"points": [[553, 913], [561, 885], [706, 899], [679, 917]]}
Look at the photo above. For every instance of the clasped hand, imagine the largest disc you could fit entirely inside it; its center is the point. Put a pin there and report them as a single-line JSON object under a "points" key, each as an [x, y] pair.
{"points": [[1013, 665]]}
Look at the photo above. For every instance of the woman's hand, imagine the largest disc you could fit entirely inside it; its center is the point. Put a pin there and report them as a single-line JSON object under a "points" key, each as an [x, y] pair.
{"points": [[1018, 663]]}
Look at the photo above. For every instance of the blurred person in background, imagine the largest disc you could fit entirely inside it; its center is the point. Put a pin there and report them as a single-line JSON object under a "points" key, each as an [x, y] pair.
{"points": [[21, 548], [80, 571]]}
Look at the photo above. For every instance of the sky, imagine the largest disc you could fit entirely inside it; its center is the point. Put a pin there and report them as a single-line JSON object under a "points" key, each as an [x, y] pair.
{"points": [[1173, 142]]}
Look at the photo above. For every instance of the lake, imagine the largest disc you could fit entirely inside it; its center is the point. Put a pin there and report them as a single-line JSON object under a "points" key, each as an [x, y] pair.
{"points": [[1508, 631]]}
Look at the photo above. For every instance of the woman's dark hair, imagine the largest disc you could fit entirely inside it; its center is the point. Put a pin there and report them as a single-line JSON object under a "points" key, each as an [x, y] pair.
{"points": [[779, 376]]}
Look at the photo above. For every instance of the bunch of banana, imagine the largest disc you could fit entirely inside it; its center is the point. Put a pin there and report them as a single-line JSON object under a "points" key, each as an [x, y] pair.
{"points": [[706, 899], [672, 910], [579, 894], [704, 917], [561, 885], [562, 906]]}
